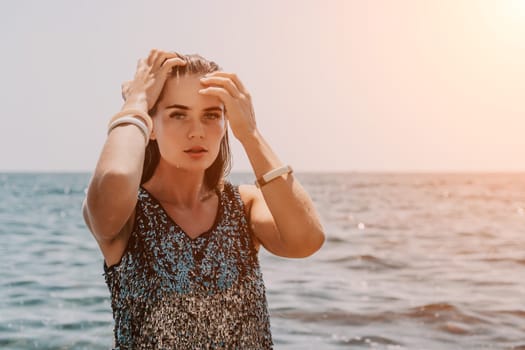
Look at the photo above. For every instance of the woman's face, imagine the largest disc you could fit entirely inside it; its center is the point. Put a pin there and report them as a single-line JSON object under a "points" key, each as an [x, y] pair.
{"points": [[188, 126]]}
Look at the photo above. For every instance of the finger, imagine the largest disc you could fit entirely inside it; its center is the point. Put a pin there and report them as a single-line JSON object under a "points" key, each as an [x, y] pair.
{"points": [[168, 65], [125, 85], [161, 58], [125, 89], [152, 56], [219, 92], [226, 83], [233, 77], [155, 56], [141, 62]]}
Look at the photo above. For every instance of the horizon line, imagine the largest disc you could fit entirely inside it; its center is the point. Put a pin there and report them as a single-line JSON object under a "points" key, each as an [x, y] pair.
{"points": [[370, 171]]}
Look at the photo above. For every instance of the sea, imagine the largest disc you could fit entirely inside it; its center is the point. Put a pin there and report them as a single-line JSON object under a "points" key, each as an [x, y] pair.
{"points": [[411, 261]]}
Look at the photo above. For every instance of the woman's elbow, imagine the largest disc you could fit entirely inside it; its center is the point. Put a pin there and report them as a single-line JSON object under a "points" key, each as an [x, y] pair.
{"points": [[318, 241], [314, 244]]}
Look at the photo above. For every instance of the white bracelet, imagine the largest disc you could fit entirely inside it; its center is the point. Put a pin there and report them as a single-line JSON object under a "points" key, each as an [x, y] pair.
{"points": [[272, 175], [137, 113], [130, 120]]}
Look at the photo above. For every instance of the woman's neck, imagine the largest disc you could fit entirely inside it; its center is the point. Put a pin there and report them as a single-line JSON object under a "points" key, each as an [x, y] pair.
{"points": [[178, 187]]}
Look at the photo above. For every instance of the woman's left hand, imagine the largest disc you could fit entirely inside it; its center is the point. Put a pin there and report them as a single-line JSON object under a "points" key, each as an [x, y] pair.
{"points": [[237, 101]]}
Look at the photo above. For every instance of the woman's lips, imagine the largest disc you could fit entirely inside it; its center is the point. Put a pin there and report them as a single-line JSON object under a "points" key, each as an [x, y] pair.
{"points": [[196, 149], [196, 152]]}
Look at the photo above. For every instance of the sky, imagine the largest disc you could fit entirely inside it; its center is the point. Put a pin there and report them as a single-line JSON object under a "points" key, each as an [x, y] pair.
{"points": [[337, 85]]}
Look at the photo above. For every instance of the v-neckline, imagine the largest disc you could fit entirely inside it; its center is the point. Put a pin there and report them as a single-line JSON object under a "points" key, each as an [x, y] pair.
{"points": [[218, 216]]}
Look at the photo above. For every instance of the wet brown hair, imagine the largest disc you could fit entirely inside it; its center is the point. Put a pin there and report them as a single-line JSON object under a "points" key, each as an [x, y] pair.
{"points": [[214, 175]]}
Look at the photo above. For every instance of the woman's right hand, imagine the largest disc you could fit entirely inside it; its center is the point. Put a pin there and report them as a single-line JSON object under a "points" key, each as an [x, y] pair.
{"points": [[150, 77]]}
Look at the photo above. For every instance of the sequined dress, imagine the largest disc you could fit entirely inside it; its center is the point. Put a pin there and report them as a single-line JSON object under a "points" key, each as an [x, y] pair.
{"points": [[170, 291]]}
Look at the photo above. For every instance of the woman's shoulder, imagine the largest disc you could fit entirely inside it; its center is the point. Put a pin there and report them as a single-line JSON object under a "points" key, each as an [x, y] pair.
{"points": [[245, 192]]}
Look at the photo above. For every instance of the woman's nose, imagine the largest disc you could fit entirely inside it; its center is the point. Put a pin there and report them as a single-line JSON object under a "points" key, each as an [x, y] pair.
{"points": [[196, 129]]}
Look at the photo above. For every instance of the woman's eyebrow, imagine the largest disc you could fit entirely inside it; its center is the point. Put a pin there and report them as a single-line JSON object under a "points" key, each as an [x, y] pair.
{"points": [[178, 106], [214, 108]]}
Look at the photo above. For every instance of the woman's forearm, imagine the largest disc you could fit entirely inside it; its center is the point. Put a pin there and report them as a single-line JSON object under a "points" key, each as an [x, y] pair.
{"points": [[291, 207], [113, 188]]}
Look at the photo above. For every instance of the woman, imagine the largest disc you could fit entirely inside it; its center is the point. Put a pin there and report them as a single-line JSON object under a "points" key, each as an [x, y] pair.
{"points": [[179, 242]]}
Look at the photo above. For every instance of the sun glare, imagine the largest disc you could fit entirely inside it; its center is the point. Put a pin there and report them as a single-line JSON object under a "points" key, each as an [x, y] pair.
{"points": [[514, 9], [504, 18]]}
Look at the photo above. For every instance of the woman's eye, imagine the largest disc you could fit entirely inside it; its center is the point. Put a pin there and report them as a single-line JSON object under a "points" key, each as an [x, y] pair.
{"points": [[177, 115], [212, 116]]}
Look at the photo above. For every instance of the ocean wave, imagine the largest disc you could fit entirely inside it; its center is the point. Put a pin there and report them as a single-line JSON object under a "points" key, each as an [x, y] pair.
{"points": [[366, 340], [504, 260], [365, 261], [444, 317], [517, 313], [439, 312]]}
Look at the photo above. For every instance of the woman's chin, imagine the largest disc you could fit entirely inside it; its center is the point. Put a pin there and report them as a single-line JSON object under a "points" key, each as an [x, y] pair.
{"points": [[193, 166]]}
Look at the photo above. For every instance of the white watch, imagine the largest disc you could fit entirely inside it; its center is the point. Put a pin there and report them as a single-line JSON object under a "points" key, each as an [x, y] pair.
{"points": [[272, 175]]}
